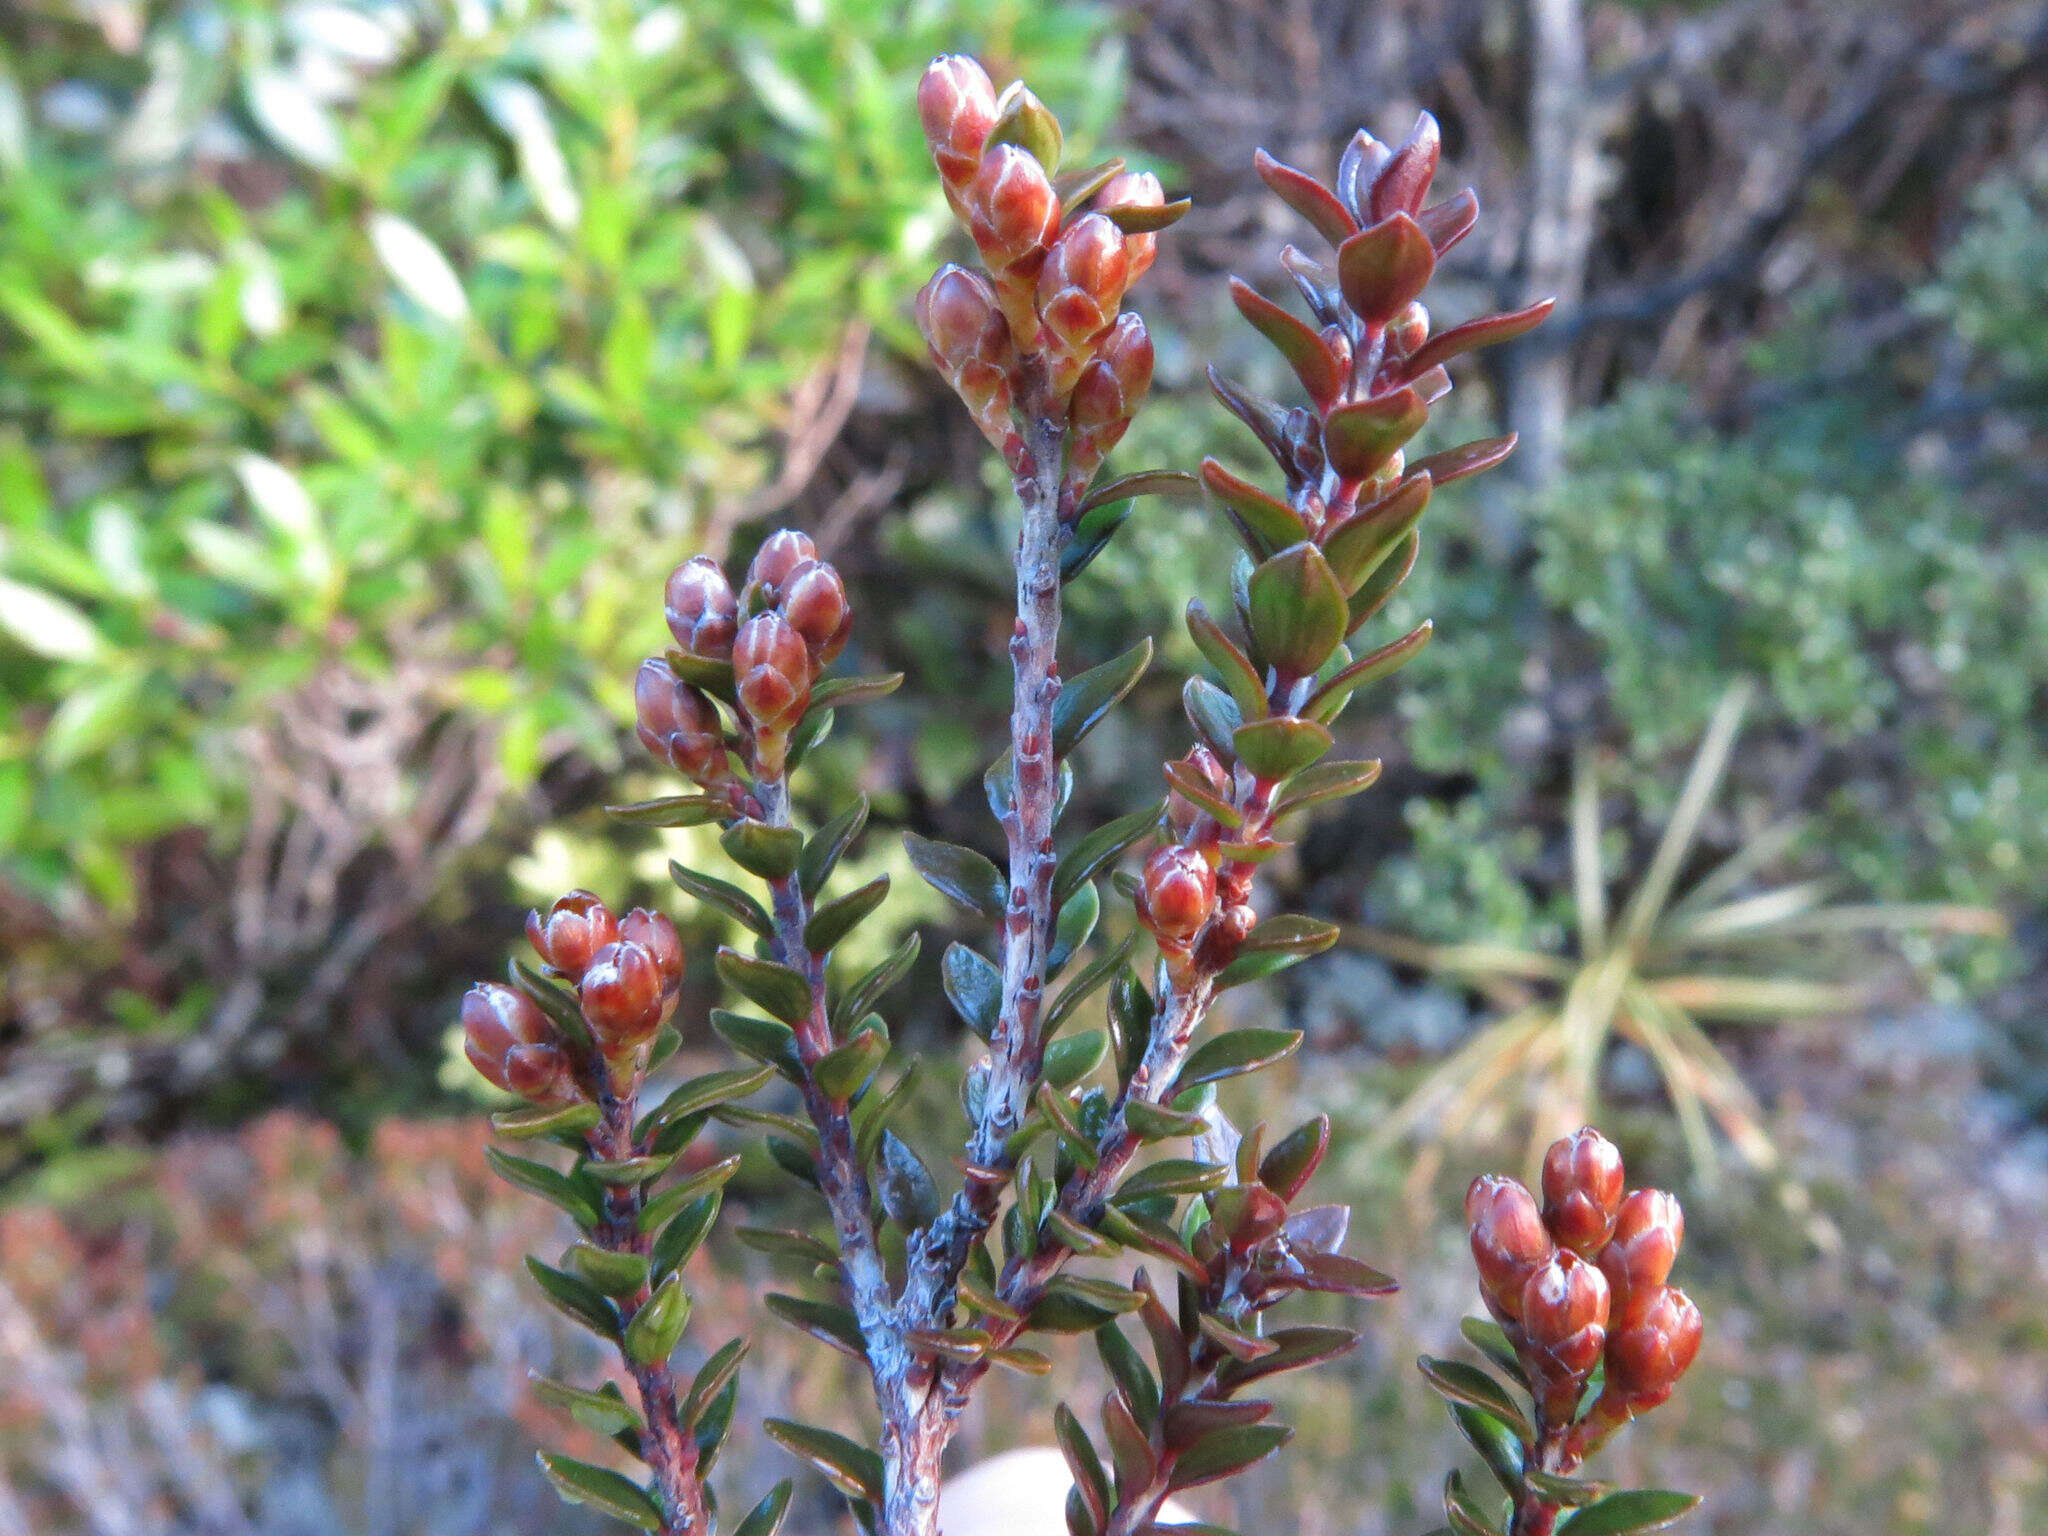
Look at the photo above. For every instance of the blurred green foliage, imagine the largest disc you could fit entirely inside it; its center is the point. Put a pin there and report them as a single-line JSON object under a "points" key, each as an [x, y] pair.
{"points": [[1866, 547], [338, 333]]}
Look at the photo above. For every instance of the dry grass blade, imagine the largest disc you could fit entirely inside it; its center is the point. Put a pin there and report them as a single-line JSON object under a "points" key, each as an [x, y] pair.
{"points": [[1701, 780]]}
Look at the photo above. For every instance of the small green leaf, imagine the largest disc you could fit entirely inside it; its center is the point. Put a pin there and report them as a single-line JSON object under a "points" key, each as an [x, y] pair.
{"points": [[1325, 703], [855, 690], [1462, 1383], [616, 1274], [825, 847], [545, 1120], [1295, 1348], [825, 1321], [765, 1518], [1146, 482], [578, 1482], [763, 1039], [656, 1329], [683, 1236], [575, 1298], [1171, 1176], [1297, 610], [1153, 1122], [1240, 677], [1233, 1054], [674, 1199], [1075, 924], [1148, 218], [1361, 437], [1357, 546], [714, 1376], [1465, 459], [1465, 1515], [1487, 1336], [1312, 361], [707, 1092], [845, 1069], [1497, 1445], [759, 849], [836, 919], [974, 987], [961, 874], [1383, 269], [1290, 933], [905, 1184], [1213, 713], [1266, 524], [784, 992], [558, 1189], [1084, 700], [672, 811], [1226, 1451], [604, 1410], [1623, 1514], [1325, 782], [1102, 847], [1087, 984], [853, 1469], [1069, 1060], [1281, 747], [862, 996], [726, 897]]}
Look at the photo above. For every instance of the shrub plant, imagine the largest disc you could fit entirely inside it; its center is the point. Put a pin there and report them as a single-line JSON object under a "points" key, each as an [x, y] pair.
{"points": [[1080, 1145]]}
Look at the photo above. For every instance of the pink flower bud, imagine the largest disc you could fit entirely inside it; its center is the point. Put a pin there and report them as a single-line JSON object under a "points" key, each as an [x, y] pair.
{"points": [[956, 102], [772, 670], [971, 346], [779, 555], [1013, 215], [1134, 189], [1509, 1242], [624, 1000], [1564, 1317], [702, 610], [1582, 1190], [814, 602], [1107, 395], [679, 725], [1176, 895], [1638, 1256], [653, 932], [513, 1044], [576, 927], [1082, 283], [1646, 1358]]}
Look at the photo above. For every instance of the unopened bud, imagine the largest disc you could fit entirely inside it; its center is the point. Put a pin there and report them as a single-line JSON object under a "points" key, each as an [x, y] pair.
{"points": [[1107, 395], [1407, 330], [772, 672], [678, 724], [970, 343], [1080, 291], [653, 932], [1203, 765], [1582, 1177], [956, 102], [1564, 1320], [1176, 895], [1134, 189], [703, 612], [513, 1044], [814, 602], [624, 1000], [576, 927], [778, 557], [1509, 1242], [1646, 1358], [1638, 1256], [1013, 214], [1404, 180]]}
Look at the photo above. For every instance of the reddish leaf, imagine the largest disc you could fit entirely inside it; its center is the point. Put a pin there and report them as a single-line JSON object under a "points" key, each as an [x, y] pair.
{"points": [[1307, 197], [1385, 268]]}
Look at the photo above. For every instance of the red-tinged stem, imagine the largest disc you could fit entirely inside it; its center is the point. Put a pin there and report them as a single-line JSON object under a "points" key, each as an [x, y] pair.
{"points": [[1554, 1453], [669, 1450]]}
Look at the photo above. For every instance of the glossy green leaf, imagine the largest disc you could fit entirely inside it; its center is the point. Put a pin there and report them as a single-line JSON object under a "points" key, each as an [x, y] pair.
{"points": [[765, 1040], [759, 849], [1359, 545], [1084, 700], [1462, 1383], [1171, 1176], [1225, 1452], [836, 919], [1327, 700], [1235, 1053], [1264, 522], [784, 992], [672, 811], [1298, 611], [1074, 925], [683, 1236], [558, 1189], [1240, 678], [1102, 847], [825, 1321], [961, 874], [1623, 1514], [1303, 348], [845, 1069], [825, 847], [1213, 713], [1383, 269], [578, 1482], [545, 1120], [576, 1298], [853, 1469], [656, 1329], [766, 1517], [1361, 437], [1497, 1445], [673, 1200], [707, 1092], [605, 1410], [1069, 1060], [1326, 782], [614, 1273], [726, 897], [862, 996], [974, 987]]}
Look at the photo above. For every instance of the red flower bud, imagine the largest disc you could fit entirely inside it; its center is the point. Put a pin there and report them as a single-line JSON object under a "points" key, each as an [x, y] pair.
{"points": [[1564, 1318], [703, 613], [778, 557], [1107, 395], [956, 102], [1407, 330], [577, 926], [1581, 1190], [513, 1044], [1646, 1358], [624, 999], [970, 343], [1638, 1257], [814, 602], [1080, 290], [1181, 812], [678, 724], [772, 669], [653, 932], [1509, 1243], [1134, 189], [1013, 214], [1176, 895]]}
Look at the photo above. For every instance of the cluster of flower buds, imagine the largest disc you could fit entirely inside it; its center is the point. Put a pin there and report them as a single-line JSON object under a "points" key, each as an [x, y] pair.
{"points": [[1040, 333], [761, 648], [1580, 1280], [627, 971]]}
